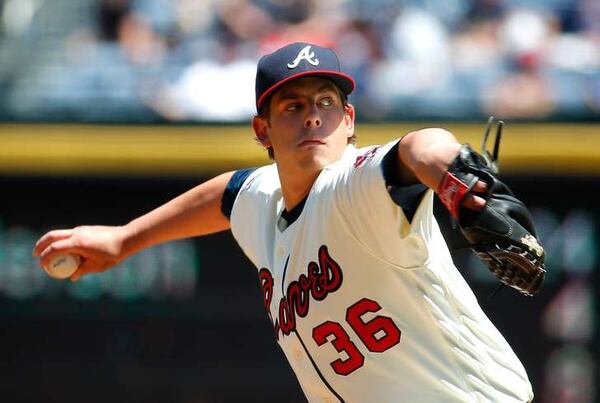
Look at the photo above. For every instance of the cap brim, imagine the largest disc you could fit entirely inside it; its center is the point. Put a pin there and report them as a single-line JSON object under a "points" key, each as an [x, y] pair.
{"points": [[344, 81]]}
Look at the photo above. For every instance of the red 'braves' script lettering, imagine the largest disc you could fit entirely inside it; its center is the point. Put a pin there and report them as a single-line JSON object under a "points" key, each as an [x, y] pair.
{"points": [[321, 279]]}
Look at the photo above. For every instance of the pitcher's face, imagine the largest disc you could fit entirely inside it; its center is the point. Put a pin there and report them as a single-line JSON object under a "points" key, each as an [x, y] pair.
{"points": [[308, 124]]}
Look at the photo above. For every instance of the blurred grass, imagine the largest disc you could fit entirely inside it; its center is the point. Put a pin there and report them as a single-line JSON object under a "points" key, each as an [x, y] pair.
{"points": [[80, 149]]}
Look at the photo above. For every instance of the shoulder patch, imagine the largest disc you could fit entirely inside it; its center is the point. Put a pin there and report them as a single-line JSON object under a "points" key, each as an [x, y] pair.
{"points": [[361, 159]]}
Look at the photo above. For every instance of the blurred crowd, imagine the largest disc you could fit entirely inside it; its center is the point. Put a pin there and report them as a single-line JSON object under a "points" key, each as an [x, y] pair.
{"points": [[192, 60]]}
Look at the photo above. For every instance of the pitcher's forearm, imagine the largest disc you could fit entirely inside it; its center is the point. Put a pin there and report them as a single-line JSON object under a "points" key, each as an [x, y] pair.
{"points": [[194, 213], [427, 153]]}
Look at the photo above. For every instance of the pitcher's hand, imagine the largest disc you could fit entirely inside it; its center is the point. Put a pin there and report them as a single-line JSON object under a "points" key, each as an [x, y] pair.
{"points": [[100, 247]]}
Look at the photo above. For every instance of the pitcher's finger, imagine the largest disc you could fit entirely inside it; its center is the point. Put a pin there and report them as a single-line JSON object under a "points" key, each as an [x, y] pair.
{"points": [[480, 187], [63, 246], [83, 269], [50, 237], [474, 202]]}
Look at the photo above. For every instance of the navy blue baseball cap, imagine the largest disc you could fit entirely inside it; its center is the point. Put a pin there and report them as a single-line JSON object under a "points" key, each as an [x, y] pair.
{"points": [[294, 61]]}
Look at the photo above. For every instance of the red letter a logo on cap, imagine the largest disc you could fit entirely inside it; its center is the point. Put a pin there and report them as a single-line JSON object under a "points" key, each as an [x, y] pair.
{"points": [[305, 54]]}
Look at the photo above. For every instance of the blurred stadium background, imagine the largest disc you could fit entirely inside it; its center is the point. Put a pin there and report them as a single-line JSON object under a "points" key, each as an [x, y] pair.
{"points": [[108, 108]]}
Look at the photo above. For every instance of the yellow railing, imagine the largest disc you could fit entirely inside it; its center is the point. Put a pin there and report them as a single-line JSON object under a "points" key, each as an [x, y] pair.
{"points": [[78, 149]]}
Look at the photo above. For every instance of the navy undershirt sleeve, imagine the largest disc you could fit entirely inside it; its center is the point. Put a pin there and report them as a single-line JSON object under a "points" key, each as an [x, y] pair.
{"points": [[406, 196], [232, 189]]}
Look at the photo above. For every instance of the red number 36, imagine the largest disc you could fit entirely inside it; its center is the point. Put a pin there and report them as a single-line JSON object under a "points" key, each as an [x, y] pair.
{"points": [[378, 335]]}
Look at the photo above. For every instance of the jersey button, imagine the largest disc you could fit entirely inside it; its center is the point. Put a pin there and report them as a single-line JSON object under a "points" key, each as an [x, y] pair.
{"points": [[280, 251], [298, 355]]}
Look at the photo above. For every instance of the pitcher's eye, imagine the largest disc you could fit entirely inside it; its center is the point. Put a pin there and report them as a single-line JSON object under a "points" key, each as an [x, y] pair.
{"points": [[326, 102]]}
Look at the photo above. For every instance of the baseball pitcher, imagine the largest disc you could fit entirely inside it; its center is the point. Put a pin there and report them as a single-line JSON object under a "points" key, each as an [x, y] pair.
{"points": [[356, 278]]}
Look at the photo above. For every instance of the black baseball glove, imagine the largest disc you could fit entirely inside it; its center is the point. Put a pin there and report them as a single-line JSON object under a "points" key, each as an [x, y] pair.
{"points": [[502, 234]]}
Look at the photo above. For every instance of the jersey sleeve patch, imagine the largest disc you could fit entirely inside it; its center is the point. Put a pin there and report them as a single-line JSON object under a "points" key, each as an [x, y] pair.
{"points": [[232, 189], [408, 197]]}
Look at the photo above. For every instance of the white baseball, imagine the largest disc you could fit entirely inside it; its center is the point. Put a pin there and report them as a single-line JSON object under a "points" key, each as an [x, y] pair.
{"points": [[63, 266]]}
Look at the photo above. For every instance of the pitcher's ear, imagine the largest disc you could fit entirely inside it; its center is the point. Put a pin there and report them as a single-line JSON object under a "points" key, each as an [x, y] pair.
{"points": [[261, 129], [349, 116]]}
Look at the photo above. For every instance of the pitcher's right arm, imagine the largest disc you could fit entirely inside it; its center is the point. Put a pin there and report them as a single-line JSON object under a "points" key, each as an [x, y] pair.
{"points": [[194, 213]]}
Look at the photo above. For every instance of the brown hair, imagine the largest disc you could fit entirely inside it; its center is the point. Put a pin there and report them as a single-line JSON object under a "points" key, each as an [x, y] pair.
{"points": [[265, 110]]}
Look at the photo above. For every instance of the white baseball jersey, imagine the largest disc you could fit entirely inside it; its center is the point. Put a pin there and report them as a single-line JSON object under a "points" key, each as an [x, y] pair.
{"points": [[367, 305]]}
